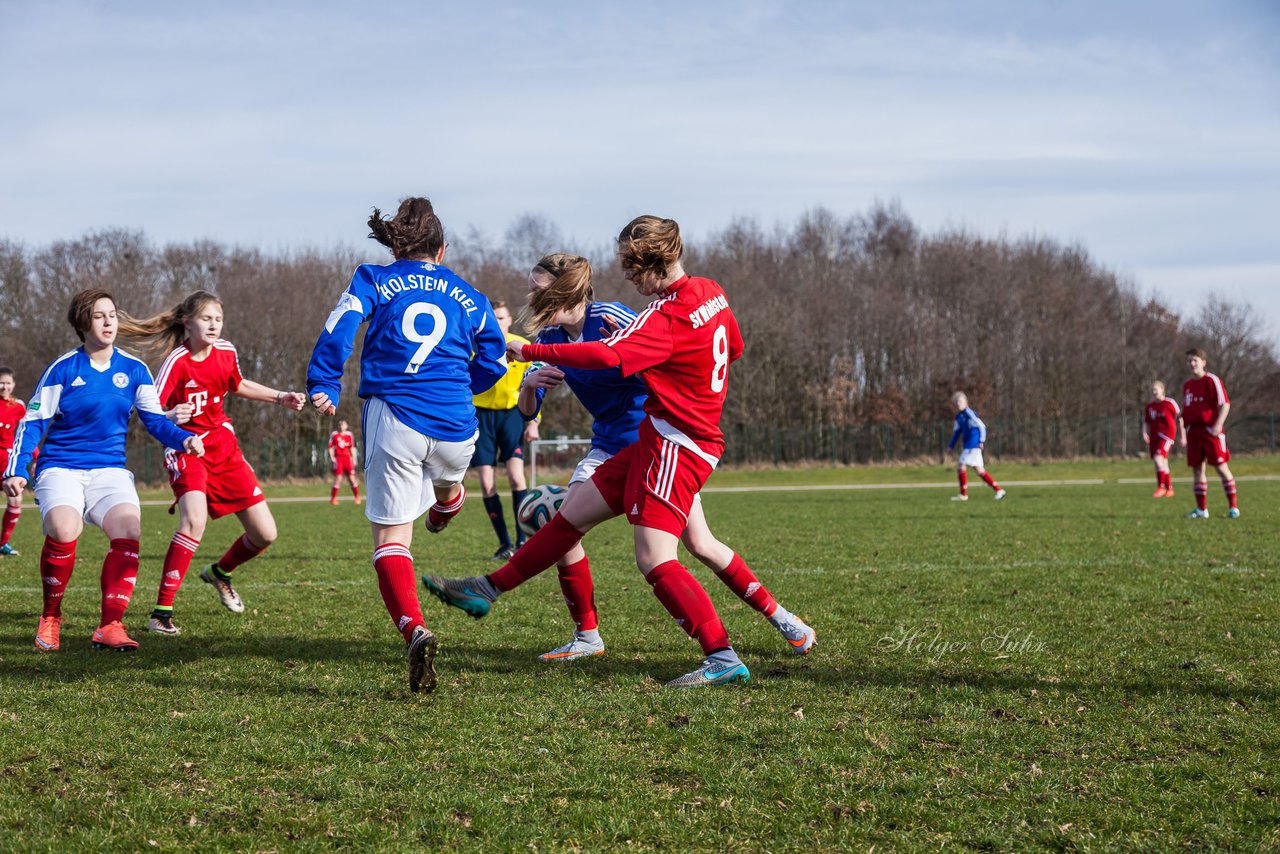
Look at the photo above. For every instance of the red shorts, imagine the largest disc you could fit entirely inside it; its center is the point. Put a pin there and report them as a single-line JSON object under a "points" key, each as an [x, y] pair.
{"points": [[4, 462], [1160, 446], [344, 466], [222, 474], [1202, 448], [653, 482]]}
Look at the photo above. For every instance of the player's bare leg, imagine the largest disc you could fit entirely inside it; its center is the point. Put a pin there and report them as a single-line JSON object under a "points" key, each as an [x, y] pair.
{"points": [[730, 568]]}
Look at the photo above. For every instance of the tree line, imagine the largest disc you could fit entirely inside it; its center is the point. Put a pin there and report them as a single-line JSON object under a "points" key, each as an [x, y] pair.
{"points": [[853, 321]]}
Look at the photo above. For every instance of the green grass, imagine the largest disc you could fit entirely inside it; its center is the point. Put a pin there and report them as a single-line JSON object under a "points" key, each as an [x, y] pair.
{"points": [[1133, 704]]}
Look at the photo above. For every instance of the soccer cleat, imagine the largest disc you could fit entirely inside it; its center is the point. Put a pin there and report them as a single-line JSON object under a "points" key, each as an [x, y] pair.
{"points": [[1160, 492], [47, 633], [503, 554], [359, 499], [576, 648], [464, 593], [1168, 493], [712, 674], [9, 551], [161, 623], [333, 501], [113, 636], [226, 593], [1198, 514], [422, 655], [1233, 513], [1000, 493], [800, 635], [961, 497]]}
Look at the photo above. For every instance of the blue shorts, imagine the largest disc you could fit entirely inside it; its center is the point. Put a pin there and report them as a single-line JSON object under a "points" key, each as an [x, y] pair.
{"points": [[501, 436]]}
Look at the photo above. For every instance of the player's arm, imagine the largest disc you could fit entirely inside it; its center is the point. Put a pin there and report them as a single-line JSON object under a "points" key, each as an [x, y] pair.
{"points": [[336, 341], [250, 390], [147, 404], [1221, 420], [41, 410], [166, 389], [1146, 434], [982, 429], [955, 434], [489, 364]]}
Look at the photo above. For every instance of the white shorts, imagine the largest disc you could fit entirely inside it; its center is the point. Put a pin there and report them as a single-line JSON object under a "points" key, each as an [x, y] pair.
{"points": [[90, 492], [402, 467], [587, 465], [971, 457]]}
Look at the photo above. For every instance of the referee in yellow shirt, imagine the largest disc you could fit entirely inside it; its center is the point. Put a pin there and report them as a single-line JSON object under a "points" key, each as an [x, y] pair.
{"points": [[502, 435]]}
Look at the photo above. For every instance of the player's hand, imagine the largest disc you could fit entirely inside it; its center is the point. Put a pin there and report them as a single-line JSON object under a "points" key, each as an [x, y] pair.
{"points": [[548, 376], [13, 486], [1214, 431], [181, 413], [612, 324], [531, 432], [294, 400], [321, 402], [515, 351], [1182, 441], [194, 445]]}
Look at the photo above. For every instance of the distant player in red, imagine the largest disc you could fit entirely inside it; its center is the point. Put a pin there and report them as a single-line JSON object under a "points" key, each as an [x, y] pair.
{"points": [[1160, 430], [199, 374], [1204, 412], [681, 345], [342, 445], [12, 411]]}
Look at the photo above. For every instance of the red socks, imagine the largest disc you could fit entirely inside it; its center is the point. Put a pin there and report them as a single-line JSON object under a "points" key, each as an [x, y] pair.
{"points": [[394, 565], [686, 601], [241, 551], [991, 481], [333, 495], [739, 578], [177, 560], [540, 551], [1164, 479], [439, 513], [11, 515], [579, 594], [119, 574], [56, 562], [355, 493], [963, 477], [1202, 495], [1229, 486]]}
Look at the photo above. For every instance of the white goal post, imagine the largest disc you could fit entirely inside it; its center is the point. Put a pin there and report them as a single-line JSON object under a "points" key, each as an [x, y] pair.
{"points": [[555, 455]]}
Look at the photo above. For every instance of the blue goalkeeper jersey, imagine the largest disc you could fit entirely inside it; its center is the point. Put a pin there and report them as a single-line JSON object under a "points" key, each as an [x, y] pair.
{"points": [[82, 410], [432, 344], [614, 401], [970, 426]]}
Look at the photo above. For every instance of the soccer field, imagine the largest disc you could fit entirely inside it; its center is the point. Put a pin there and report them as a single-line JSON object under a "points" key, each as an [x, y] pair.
{"points": [[1075, 667]]}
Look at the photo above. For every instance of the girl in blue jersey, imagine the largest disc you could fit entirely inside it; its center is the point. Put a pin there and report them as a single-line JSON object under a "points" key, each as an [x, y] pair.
{"points": [[432, 344], [563, 310], [81, 409]]}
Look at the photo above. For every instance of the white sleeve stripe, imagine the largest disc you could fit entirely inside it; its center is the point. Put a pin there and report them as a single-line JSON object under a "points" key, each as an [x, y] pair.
{"points": [[145, 399], [638, 322], [1217, 385], [50, 397], [167, 366]]}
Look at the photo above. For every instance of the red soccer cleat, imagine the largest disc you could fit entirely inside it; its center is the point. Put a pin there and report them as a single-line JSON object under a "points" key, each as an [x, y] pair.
{"points": [[47, 633], [1160, 492], [113, 636]]}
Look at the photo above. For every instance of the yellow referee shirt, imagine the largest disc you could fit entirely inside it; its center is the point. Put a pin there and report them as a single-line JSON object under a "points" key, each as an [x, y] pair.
{"points": [[506, 391]]}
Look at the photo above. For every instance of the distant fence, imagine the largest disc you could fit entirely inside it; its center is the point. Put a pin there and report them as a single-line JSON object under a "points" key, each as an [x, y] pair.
{"points": [[765, 444]]}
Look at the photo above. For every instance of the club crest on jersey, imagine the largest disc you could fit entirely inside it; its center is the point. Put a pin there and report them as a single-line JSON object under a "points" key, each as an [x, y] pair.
{"points": [[120, 380]]}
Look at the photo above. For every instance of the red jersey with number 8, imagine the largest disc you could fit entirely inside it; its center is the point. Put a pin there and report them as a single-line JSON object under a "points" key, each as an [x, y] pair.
{"points": [[204, 384], [682, 345]]}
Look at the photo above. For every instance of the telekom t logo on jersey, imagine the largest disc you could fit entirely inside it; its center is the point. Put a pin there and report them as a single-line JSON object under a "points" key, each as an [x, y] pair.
{"points": [[197, 399]]}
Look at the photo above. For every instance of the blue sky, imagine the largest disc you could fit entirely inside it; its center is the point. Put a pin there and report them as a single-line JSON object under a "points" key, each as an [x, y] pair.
{"points": [[1148, 132]]}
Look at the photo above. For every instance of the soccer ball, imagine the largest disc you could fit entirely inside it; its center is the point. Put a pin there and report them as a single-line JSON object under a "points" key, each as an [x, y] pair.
{"points": [[538, 507]]}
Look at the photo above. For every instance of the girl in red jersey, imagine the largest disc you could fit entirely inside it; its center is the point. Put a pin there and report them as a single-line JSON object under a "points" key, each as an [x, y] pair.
{"points": [[1204, 415], [1160, 419], [198, 374], [681, 345], [12, 412], [342, 445]]}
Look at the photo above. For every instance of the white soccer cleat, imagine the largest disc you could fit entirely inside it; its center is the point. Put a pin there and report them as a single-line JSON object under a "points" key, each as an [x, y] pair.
{"points": [[574, 649], [226, 593], [1000, 493], [712, 673], [1233, 513], [959, 498], [1198, 514]]}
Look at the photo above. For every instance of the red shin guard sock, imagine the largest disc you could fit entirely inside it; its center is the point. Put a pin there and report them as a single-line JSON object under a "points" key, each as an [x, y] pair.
{"points": [[686, 601], [394, 565], [119, 574], [963, 477], [241, 551], [539, 552], [11, 515], [579, 594], [1202, 496], [739, 578], [57, 559], [991, 481], [333, 494], [355, 492], [1229, 487], [443, 511], [177, 560]]}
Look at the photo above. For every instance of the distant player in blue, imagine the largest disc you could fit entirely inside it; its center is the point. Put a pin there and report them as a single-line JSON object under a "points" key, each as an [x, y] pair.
{"points": [[81, 410], [970, 427], [563, 309], [432, 344]]}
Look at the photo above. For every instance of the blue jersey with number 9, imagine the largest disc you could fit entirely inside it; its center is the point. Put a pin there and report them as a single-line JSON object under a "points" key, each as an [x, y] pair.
{"points": [[432, 344]]}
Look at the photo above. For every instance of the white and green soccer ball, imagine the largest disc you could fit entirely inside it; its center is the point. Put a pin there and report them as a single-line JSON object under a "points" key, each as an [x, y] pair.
{"points": [[538, 507]]}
